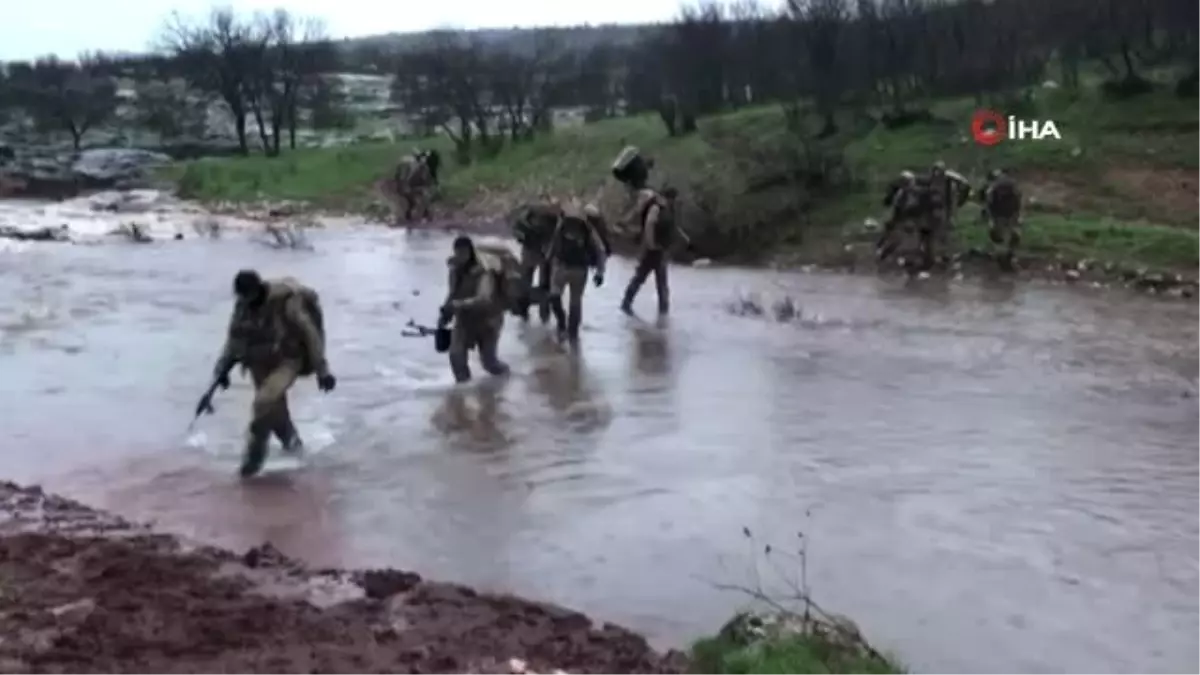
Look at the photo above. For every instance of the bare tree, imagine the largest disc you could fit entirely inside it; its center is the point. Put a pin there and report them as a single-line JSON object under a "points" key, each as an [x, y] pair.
{"points": [[325, 102], [598, 82], [169, 109], [215, 57], [820, 27], [290, 53], [8, 97], [1119, 27], [65, 96], [443, 85], [697, 52]]}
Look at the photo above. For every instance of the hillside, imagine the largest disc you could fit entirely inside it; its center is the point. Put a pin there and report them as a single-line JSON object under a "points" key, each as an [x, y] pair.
{"points": [[519, 39], [1119, 189]]}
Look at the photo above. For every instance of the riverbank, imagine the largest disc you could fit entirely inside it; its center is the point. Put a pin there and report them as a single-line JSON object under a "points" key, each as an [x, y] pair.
{"points": [[1117, 193], [144, 216], [86, 591]]}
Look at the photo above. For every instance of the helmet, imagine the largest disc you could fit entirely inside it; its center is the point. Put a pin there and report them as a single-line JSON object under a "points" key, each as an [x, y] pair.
{"points": [[628, 154], [631, 168]]}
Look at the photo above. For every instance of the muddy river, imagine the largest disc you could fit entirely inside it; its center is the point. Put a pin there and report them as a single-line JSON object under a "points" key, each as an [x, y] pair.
{"points": [[991, 477]]}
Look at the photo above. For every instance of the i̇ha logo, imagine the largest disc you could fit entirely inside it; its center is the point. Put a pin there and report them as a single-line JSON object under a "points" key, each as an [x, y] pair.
{"points": [[990, 127]]}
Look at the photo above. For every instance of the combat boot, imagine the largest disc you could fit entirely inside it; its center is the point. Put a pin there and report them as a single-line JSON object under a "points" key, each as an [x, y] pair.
{"points": [[255, 455], [574, 321]]}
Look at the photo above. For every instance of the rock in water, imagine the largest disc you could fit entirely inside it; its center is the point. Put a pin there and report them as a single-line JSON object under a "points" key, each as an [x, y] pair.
{"points": [[65, 175], [113, 166]]}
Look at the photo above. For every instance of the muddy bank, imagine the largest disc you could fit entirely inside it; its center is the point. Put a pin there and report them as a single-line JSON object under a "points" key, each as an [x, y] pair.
{"points": [[86, 591], [971, 263], [851, 255]]}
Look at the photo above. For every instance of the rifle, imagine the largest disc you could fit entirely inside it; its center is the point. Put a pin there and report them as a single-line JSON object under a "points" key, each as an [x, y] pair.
{"points": [[441, 335], [204, 405], [414, 329]]}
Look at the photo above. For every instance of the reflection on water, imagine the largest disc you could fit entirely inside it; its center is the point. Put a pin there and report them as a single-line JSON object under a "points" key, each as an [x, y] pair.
{"points": [[1001, 476], [480, 420]]}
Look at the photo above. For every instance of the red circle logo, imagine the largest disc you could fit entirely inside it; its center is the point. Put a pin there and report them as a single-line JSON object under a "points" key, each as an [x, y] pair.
{"points": [[988, 127]]}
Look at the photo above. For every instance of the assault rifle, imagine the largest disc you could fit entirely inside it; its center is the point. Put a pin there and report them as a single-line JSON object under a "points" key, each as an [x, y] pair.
{"points": [[204, 405], [441, 336], [414, 329]]}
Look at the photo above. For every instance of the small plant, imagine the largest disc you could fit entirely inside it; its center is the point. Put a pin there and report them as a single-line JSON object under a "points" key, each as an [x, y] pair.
{"points": [[793, 635]]}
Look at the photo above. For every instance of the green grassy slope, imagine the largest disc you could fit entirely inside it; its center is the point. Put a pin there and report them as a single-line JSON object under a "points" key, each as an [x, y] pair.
{"points": [[1119, 187]]}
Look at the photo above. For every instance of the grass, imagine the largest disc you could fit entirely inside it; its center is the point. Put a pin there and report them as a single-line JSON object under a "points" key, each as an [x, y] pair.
{"points": [[796, 655], [1103, 240], [1115, 188], [331, 178]]}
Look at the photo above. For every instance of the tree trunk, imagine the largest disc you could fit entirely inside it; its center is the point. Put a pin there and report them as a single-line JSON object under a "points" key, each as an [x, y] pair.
{"points": [[1127, 58], [239, 124], [256, 109], [278, 106], [292, 126]]}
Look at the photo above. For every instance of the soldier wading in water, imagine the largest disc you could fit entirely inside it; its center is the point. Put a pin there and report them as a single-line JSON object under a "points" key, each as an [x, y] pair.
{"points": [[414, 180], [276, 333], [476, 299], [533, 227], [576, 246], [652, 218]]}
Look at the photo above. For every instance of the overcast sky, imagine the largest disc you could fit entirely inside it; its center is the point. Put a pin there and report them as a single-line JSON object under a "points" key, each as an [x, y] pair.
{"points": [[32, 28]]}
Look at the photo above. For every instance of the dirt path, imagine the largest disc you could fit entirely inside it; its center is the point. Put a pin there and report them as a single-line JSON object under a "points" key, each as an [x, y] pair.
{"points": [[84, 591]]}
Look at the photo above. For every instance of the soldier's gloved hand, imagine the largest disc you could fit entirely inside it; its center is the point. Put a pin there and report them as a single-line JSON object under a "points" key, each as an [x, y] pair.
{"points": [[445, 314], [223, 380], [326, 382], [598, 279]]}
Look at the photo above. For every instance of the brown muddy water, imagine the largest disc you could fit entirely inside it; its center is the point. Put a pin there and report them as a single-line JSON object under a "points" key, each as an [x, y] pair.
{"points": [[992, 477]]}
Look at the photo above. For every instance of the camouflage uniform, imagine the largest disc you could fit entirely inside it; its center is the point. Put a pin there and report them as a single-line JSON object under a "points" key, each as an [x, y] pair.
{"points": [[903, 196], [575, 246], [652, 216], [1002, 208], [533, 227], [277, 341], [656, 215], [414, 180], [477, 301], [947, 191]]}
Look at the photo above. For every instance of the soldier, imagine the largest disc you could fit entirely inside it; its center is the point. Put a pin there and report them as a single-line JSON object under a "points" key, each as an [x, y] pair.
{"points": [[277, 333], [948, 190], [433, 161], [653, 219], [904, 197], [476, 302], [414, 178], [594, 218], [575, 246], [1002, 209], [656, 213], [533, 227]]}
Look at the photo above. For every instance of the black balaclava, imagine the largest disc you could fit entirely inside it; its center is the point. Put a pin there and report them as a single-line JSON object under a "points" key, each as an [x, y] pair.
{"points": [[249, 286], [463, 241]]}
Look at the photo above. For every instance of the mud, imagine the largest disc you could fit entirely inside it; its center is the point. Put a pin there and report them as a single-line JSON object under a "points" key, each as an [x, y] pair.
{"points": [[859, 257], [85, 591]]}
